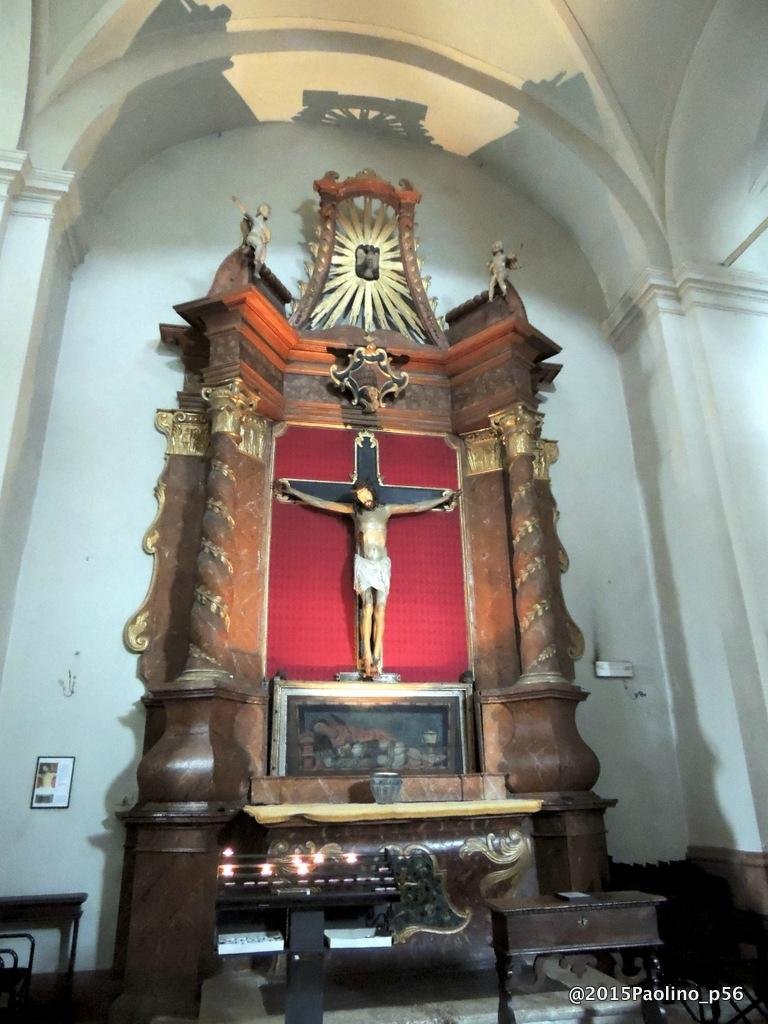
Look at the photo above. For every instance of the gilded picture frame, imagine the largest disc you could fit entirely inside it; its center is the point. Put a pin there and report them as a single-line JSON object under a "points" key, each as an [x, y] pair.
{"points": [[321, 728]]}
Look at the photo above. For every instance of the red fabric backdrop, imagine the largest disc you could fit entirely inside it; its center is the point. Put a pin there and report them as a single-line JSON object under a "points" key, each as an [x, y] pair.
{"points": [[311, 630]]}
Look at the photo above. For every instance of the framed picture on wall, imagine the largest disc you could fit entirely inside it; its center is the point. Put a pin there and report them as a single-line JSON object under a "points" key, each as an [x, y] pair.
{"points": [[53, 782], [336, 729]]}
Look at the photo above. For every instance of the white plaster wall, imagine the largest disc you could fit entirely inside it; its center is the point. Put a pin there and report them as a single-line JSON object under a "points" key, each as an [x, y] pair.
{"points": [[16, 33], [157, 241], [34, 289], [710, 654], [730, 360], [734, 344], [714, 174]]}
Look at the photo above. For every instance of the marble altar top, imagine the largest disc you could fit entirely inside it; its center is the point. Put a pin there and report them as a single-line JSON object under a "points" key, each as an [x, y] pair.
{"points": [[273, 814]]}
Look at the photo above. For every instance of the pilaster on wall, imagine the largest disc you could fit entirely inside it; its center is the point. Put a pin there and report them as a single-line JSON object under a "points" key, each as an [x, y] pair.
{"points": [[689, 345], [14, 166], [37, 208]]}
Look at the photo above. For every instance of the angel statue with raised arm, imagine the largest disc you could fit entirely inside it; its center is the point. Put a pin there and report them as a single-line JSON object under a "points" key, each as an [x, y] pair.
{"points": [[256, 234], [501, 267], [373, 568]]}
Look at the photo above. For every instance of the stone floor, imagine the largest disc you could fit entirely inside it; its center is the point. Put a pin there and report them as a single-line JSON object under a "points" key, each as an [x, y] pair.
{"points": [[245, 997]]}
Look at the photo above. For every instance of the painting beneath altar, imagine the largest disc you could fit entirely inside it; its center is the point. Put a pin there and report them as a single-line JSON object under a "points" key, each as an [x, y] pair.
{"points": [[333, 729]]}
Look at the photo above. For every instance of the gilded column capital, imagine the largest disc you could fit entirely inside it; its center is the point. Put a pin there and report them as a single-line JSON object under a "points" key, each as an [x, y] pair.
{"points": [[254, 435], [482, 451], [544, 456], [187, 431], [520, 428], [229, 403]]}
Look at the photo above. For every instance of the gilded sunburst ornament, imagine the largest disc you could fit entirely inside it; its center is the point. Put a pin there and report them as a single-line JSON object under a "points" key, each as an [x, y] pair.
{"points": [[366, 285]]}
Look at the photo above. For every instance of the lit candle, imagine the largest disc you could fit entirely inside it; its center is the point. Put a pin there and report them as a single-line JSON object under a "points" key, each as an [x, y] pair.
{"points": [[228, 870], [228, 852], [350, 858], [319, 858], [265, 870], [302, 868]]}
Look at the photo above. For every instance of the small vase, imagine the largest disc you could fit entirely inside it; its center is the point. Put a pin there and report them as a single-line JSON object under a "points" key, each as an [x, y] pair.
{"points": [[386, 786]]}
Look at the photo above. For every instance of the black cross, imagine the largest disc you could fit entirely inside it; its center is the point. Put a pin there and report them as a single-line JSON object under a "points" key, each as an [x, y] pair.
{"points": [[366, 471]]}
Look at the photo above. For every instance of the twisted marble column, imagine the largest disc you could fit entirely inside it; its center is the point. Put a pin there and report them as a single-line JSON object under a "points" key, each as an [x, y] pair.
{"points": [[571, 643], [209, 625], [535, 601]]}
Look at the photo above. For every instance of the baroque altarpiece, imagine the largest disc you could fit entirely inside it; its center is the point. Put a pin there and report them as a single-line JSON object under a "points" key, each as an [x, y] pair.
{"points": [[281, 668]]}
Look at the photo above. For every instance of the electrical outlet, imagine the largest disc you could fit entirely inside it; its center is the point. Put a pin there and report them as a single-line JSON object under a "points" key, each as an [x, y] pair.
{"points": [[614, 670]]}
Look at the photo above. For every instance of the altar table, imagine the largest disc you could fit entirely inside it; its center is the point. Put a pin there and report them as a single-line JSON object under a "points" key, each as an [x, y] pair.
{"points": [[478, 848], [274, 814]]}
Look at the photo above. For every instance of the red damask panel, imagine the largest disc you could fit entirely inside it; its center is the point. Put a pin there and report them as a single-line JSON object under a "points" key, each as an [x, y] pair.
{"points": [[311, 630]]}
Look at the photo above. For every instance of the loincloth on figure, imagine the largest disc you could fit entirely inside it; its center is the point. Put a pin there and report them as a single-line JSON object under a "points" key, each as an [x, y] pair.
{"points": [[374, 573]]}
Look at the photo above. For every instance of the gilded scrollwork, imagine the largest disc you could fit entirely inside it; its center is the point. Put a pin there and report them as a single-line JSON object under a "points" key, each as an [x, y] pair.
{"points": [[563, 560], [371, 363], [214, 602], [135, 632], [576, 638], [220, 508], [512, 850], [187, 431], [197, 653], [217, 552], [222, 467], [522, 490], [536, 564], [548, 652], [527, 526], [539, 609], [424, 902]]}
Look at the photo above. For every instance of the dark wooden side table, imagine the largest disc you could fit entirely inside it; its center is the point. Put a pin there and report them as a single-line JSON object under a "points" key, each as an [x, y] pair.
{"points": [[60, 909], [526, 928]]}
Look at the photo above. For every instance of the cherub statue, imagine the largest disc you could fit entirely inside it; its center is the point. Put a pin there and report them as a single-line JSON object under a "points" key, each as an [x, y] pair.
{"points": [[501, 267], [256, 234]]}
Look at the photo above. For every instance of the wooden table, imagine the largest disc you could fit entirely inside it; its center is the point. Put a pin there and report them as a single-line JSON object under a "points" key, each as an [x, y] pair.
{"points": [[525, 928], [60, 909]]}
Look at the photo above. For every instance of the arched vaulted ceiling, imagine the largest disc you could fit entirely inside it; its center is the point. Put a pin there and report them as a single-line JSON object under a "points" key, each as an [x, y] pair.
{"points": [[576, 101]]}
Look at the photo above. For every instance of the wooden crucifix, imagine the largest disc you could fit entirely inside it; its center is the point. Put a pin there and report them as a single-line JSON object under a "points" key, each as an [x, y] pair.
{"points": [[371, 503]]}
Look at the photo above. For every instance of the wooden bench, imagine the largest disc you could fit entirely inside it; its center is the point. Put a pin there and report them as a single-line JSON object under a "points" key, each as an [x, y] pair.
{"points": [[542, 926], [61, 910]]}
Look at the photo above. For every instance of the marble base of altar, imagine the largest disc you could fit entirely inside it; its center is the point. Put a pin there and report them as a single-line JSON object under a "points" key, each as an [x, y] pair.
{"points": [[342, 789], [569, 840]]}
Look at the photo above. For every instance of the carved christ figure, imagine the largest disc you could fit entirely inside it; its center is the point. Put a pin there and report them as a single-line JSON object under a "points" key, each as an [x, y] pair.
{"points": [[373, 568]]}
